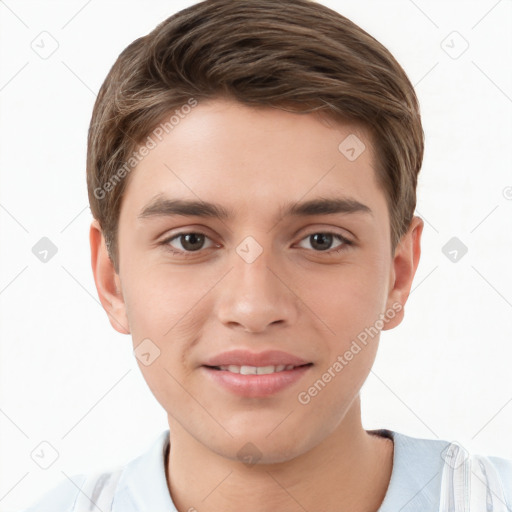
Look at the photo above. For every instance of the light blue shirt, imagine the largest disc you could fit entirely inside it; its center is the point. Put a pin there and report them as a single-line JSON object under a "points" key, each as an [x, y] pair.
{"points": [[414, 485]]}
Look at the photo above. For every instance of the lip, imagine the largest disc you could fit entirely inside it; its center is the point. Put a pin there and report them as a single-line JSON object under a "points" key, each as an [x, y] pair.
{"points": [[256, 386], [247, 358]]}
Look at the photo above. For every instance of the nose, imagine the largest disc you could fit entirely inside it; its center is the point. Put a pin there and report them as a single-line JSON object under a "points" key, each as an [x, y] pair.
{"points": [[256, 295]]}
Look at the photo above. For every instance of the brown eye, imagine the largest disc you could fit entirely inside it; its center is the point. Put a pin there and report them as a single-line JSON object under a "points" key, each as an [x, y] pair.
{"points": [[192, 241], [183, 243], [322, 241]]}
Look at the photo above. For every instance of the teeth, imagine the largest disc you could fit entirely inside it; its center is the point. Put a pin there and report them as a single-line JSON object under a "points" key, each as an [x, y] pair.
{"points": [[248, 370], [256, 370]]}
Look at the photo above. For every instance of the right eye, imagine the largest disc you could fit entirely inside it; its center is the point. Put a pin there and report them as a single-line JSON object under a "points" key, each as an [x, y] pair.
{"points": [[190, 242]]}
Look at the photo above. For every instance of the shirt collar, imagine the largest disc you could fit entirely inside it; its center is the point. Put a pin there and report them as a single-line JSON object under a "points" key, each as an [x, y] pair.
{"points": [[143, 483], [414, 484]]}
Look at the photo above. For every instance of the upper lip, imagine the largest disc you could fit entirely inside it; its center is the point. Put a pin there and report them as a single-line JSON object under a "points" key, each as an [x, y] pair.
{"points": [[246, 358]]}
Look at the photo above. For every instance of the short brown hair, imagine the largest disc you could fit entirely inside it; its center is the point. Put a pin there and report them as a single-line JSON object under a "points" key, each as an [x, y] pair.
{"points": [[297, 55]]}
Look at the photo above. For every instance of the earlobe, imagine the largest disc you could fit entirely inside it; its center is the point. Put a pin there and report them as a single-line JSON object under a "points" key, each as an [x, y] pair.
{"points": [[107, 281], [405, 263]]}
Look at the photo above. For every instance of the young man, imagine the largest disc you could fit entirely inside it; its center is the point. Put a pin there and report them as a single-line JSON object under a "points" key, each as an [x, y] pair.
{"points": [[252, 171]]}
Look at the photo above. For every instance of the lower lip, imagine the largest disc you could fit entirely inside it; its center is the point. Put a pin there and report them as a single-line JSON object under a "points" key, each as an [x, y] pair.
{"points": [[256, 386]]}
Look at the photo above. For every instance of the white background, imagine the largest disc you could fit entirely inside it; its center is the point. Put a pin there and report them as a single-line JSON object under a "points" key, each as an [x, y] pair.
{"points": [[69, 379]]}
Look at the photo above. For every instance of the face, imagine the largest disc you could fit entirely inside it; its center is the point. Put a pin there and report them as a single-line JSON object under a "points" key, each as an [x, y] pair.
{"points": [[291, 268]]}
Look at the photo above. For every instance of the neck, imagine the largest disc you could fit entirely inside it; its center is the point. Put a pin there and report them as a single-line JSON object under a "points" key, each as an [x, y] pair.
{"points": [[348, 470]]}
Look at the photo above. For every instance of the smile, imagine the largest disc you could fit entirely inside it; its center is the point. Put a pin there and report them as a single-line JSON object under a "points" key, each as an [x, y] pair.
{"points": [[254, 370], [255, 381]]}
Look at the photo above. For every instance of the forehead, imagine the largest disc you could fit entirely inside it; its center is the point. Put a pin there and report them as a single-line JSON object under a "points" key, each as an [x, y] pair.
{"points": [[250, 159]]}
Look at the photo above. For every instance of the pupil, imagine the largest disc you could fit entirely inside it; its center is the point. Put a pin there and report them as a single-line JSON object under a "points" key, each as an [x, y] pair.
{"points": [[322, 238], [190, 239]]}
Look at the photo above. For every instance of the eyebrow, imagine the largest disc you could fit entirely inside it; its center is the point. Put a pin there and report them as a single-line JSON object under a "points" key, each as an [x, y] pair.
{"points": [[160, 207]]}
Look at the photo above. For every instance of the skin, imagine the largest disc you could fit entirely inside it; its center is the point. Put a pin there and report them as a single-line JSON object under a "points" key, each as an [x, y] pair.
{"points": [[294, 297]]}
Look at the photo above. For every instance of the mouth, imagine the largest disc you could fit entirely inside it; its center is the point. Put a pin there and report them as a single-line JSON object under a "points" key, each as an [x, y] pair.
{"points": [[256, 370], [255, 381]]}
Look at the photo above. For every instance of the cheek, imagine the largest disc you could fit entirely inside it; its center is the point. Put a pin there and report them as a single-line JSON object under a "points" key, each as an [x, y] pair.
{"points": [[349, 299], [157, 300], [165, 321], [167, 306]]}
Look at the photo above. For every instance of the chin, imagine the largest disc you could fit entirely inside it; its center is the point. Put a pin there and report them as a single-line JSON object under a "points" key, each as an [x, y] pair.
{"points": [[256, 448]]}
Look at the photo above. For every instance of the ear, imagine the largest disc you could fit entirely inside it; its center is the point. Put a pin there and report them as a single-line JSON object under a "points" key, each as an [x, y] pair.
{"points": [[405, 263], [107, 281]]}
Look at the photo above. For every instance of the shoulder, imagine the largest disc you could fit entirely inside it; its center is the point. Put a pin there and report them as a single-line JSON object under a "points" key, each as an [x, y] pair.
{"points": [[428, 471], [61, 498], [137, 485], [472, 481], [415, 482], [504, 468], [80, 493]]}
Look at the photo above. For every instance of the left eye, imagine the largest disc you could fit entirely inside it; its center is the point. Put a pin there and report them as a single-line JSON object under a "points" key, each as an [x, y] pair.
{"points": [[322, 239]]}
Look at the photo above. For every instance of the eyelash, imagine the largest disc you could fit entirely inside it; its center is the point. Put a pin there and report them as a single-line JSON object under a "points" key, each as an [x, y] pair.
{"points": [[187, 254]]}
